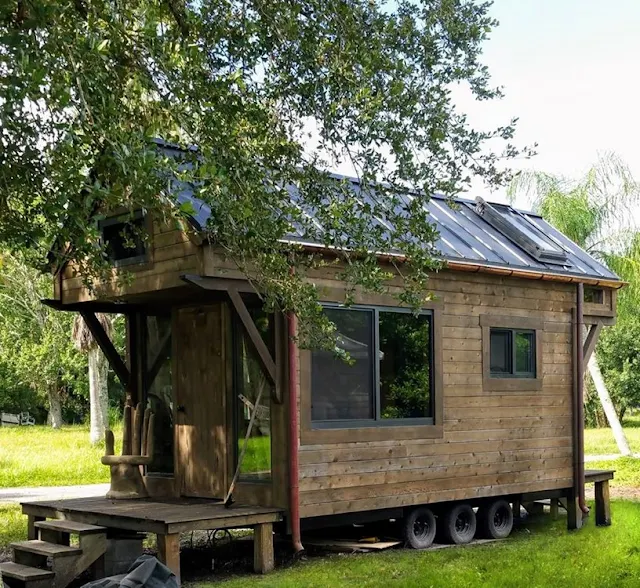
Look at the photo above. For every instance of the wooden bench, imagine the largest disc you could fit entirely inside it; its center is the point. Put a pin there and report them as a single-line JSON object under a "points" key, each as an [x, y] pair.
{"points": [[600, 479], [10, 419]]}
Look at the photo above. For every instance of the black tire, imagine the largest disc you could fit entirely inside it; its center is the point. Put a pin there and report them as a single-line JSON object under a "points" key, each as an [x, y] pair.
{"points": [[419, 528], [459, 524], [495, 520]]}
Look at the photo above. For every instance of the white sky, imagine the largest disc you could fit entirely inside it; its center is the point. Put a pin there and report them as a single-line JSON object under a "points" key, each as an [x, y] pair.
{"points": [[570, 73], [569, 69]]}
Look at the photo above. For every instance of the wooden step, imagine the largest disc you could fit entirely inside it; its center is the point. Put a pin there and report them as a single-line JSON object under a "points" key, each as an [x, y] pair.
{"points": [[45, 548], [26, 574], [71, 527]]}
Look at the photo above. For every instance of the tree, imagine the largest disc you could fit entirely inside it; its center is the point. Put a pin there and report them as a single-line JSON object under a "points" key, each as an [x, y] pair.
{"points": [[35, 342], [597, 212], [273, 94], [98, 375]]}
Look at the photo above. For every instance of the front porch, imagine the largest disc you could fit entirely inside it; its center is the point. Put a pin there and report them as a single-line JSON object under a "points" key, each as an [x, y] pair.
{"points": [[166, 518]]}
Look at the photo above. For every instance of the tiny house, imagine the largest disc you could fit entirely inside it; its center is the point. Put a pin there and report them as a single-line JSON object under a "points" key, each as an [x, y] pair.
{"points": [[475, 401]]}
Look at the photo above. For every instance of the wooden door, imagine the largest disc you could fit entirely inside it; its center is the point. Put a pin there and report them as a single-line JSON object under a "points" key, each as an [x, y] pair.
{"points": [[201, 400]]}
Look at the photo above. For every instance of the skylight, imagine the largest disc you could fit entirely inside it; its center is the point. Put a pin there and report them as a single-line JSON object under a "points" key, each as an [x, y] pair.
{"points": [[520, 231]]}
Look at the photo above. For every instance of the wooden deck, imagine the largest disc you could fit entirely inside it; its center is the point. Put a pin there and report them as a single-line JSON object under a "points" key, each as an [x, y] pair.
{"points": [[166, 518], [152, 515]]}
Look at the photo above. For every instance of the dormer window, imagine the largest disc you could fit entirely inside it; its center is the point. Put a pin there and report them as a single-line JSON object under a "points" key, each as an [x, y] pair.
{"points": [[123, 238], [523, 233]]}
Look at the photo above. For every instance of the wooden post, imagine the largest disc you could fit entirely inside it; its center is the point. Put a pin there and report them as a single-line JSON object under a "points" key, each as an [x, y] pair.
{"points": [[517, 503], [553, 508], [603, 508], [263, 548], [574, 513], [32, 531], [169, 552]]}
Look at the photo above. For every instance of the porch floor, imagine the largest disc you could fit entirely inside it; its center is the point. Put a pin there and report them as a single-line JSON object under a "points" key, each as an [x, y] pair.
{"points": [[160, 516], [167, 518]]}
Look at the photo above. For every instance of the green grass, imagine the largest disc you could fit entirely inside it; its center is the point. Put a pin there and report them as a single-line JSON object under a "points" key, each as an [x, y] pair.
{"points": [[543, 554], [13, 524], [41, 456], [601, 441], [627, 471], [258, 455]]}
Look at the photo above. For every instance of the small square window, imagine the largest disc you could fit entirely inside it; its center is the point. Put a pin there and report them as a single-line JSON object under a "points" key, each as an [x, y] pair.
{"points": [[594, 295], [124, 239], [512, 353]]}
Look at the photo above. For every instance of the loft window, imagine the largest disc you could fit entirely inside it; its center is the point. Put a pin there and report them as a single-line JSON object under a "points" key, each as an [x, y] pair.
{"points": [[389, 376], [123, 238], [520, 231], [512, 353], [593, 295]]}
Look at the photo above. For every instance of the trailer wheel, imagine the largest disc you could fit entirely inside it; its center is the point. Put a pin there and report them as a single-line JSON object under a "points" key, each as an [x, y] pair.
{"points": [[495, 520], [459, 524], [419, 528]]}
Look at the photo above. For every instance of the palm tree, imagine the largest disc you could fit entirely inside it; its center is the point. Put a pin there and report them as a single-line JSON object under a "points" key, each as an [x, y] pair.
{"points": [[596, 211], [98, 375]]}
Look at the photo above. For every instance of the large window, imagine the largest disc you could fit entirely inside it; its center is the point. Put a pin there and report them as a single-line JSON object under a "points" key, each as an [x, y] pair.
{"points": [[387, 377], [513, 353]]}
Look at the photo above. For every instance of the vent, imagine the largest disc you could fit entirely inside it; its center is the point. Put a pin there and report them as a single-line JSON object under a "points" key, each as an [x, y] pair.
{"points": [[520, 231]]}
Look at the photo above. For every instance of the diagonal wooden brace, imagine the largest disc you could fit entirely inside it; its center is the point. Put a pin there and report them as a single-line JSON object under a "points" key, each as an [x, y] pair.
{"points": [[99, 334], [254, 335], [591, 341]]}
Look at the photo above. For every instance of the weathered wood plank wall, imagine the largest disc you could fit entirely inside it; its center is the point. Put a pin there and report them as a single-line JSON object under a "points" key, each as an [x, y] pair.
{"points": [[493, 442], [171, 254]]}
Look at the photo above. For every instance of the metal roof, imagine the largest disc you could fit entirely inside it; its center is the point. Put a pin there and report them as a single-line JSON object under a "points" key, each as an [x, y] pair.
{"points": [[465, 235]]}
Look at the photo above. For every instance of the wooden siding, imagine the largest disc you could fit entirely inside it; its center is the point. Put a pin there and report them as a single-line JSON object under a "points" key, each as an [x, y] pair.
{"points": [[494, 442], [171, 254]]}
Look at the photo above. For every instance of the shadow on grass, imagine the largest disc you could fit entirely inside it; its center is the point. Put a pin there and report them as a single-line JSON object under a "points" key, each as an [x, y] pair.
{"points": [[541, 553]]}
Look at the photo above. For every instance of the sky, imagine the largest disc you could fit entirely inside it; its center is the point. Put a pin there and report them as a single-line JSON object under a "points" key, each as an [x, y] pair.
{"points": [[569, 69]]}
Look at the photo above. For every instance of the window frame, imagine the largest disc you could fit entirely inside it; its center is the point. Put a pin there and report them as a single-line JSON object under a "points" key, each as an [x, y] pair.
{"points": [[507, 220], [123, 219], [143, 367], [237, 333], [377, 422], [513, 381], [513, 348]]}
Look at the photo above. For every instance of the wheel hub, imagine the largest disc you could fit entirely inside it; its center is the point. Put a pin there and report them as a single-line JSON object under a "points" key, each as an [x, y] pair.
{"points": [[421, 528]]}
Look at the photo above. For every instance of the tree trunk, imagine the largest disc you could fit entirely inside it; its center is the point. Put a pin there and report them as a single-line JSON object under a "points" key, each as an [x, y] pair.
{"points": [[607, 406], [54, 418], [98, 394]]}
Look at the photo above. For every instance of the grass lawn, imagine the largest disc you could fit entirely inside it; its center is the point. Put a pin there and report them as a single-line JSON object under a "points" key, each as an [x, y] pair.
{"points": [[41, 456], [258, 455], [541, 554], [601, 441], [13, 524]]}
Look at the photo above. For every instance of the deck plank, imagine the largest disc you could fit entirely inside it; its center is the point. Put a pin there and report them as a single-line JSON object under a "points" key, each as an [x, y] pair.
{"points": [[153, 515], [591, 476]]}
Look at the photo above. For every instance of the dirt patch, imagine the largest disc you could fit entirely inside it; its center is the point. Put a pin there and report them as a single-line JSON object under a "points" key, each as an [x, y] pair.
{"points": [[617, 493]]}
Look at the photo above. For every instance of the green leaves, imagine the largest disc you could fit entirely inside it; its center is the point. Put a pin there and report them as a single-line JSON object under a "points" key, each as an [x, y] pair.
{"points": [[273, 94]]}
